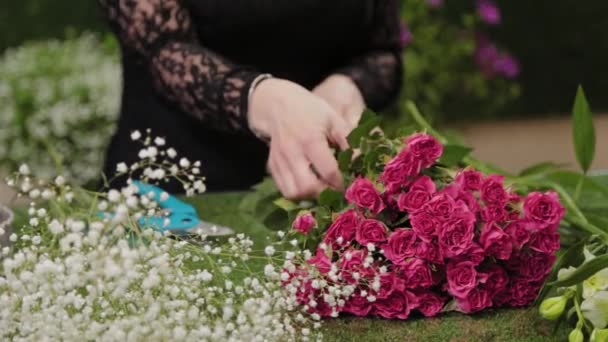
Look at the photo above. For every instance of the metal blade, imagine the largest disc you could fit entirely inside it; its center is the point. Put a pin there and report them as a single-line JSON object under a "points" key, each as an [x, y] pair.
{"points": [[211, 229]]}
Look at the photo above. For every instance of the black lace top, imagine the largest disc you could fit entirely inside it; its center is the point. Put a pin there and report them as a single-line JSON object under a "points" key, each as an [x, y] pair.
{"points": [[197, 58]]}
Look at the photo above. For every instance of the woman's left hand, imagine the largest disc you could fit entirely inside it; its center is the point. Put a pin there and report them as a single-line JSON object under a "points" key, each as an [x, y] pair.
{"points": [[342, 94]]}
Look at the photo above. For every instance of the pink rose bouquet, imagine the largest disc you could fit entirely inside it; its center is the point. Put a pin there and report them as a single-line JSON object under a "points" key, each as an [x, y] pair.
{"points": [[414, 236]]}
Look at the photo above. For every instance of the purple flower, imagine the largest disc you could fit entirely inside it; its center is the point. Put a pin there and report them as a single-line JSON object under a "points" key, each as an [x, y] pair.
{"points": [[488, 11], [405, 35], [507, 66], [492, 62], [434, 3]]}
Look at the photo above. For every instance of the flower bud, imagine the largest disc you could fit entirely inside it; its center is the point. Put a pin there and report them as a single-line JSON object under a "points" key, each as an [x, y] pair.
{"points": [[576, 335], [552, 308], [599, 335]]}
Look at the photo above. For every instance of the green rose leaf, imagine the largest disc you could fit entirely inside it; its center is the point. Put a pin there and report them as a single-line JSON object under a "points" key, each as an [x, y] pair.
{"points": [[583, 132], [277, 220], [454, 154], [344, 159], [369, 120], [331, 198]]}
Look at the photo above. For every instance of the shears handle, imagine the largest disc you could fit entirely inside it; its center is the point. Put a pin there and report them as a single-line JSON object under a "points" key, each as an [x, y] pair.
{"points": [[172, 203]]}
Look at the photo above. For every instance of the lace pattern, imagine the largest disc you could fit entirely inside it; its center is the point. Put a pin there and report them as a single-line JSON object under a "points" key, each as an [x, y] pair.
{"points": [[213, 89], [199, 81]]}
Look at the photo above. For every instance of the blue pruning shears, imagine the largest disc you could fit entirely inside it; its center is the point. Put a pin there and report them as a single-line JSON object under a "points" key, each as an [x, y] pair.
{"points": [[182, 217]]}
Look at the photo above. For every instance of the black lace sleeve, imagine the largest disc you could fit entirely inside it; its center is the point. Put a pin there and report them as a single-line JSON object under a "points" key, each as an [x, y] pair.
{"points": [[379, 72], [199, 81]]}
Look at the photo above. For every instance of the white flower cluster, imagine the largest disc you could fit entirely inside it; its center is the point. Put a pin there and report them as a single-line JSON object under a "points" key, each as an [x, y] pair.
{"points": [[74, 274], [59, 104]]}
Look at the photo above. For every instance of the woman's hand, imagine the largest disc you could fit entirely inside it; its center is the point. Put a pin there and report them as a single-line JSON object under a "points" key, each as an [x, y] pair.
{"points": [[343, 95], [301, 127]]}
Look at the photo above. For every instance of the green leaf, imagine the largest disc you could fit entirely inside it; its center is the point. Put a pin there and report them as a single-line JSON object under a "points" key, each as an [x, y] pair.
{"points": [[585, 271], [277, 220], [540, 169], [285, 204], [454, 154], [344, 159], [331, 198], [572, 256], [583, 132], [369, 120]]}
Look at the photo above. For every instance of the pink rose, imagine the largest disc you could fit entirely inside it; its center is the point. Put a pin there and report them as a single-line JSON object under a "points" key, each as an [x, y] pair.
{"points": [[418, 195], [429, 303], [342, 231], [424, 147], [351, 262], [400, 246], [441, 206], [389, 282], [518, 233], [398, 305], [430, 252], [544, 210], [399, 172], [474, 254], [493, 213], [469, 179], [321, 261], [495, 279], [416, 273], [533, 266], [363, 194], [323, 308], [522, 291], [544, 241], [456, 234], [462, 197], [495, 241], [371, 231], [514, 198], [412, 200], [424, 225], [358, 306], [477, 300], [304, 223], [469, 200], [493, 192], [462, 278]]}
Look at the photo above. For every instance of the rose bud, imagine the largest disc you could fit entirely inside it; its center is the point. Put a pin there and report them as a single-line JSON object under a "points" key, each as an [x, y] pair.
{"points": [[304, 223], [552, 308]]}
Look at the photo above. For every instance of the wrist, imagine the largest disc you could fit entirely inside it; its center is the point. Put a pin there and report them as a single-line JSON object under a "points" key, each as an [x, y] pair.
{"points": [[262, 111]]}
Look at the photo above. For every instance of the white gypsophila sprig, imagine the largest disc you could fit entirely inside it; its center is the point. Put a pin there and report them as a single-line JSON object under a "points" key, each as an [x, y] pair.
{"points": [[59, 105], [84, 268]]}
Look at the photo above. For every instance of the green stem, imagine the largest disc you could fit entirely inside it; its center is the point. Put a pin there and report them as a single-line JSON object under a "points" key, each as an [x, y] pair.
{"points": [[569, 200], [579, 187], [417, 116]]}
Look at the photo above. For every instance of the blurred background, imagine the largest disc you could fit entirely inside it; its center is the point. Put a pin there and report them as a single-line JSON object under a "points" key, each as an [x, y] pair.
{"points": [[500, 74]]}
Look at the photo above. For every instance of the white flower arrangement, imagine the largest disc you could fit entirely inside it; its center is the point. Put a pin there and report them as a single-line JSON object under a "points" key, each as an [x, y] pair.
{"points": [[74, 274], [59, 101]]}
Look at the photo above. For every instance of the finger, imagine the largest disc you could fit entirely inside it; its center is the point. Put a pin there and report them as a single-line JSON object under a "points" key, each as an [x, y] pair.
{"points": [[307, 182], [319, 154], [290, 190], [276, 176], [338, 132]]}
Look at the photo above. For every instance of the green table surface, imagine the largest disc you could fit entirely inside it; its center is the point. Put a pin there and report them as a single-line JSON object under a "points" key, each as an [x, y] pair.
{"points": [[498, 325]]}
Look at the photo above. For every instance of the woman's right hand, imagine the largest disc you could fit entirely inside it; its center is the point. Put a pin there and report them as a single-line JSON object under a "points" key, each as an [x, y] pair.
{"points": [[301, 127]]}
